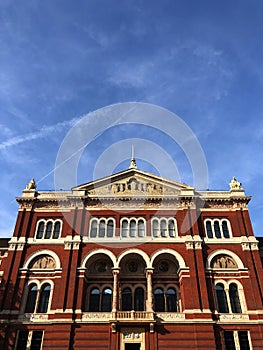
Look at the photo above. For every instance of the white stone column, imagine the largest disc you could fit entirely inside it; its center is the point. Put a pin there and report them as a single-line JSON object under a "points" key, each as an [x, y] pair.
{"points": [[149, 300], [115, 272]]}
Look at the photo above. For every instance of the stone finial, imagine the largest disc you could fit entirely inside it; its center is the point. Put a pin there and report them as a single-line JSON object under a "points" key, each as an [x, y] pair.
{"points": [[31, 185], [234, 184], [132, 161]]}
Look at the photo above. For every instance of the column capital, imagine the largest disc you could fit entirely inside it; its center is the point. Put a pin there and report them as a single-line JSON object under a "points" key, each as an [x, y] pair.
{"points": [[149, 270], [115, 270]]}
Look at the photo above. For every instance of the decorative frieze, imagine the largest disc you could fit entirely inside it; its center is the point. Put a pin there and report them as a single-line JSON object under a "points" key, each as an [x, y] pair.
{"points": [[170, 316], [233, 317]]}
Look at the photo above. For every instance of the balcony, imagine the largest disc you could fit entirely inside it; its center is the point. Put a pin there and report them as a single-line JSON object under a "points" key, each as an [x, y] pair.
{"points": [[118, 316]]}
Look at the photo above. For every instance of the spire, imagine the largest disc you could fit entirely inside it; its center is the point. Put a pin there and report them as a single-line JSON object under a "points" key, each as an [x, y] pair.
{"points": [[132, 161]]}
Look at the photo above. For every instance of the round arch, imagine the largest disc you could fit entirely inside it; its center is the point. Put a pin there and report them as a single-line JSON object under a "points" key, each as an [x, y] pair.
{"points": [[99, 251], [233, 255], [178, 256], [43, 252], [134, 251]]}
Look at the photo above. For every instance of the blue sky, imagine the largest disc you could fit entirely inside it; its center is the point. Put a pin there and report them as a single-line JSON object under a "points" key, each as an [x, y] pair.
{"points": [[61, 59]]}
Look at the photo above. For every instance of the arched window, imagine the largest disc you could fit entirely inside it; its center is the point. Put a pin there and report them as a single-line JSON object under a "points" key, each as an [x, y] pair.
{"points": [[209, 231], [106, 300], [155, 228], [31, 299], [94, 300], [102, 228], [124, 228], [94, 229], [234, 299], [163, 228], [225, 229], [139, 299], [159, 304], [221, 298], [110, 226], [217, 229], [132, 228], [56, 230], [126, 299], [171, 228], [141, 228], [171, 300], [40, 230], [44, 298], [49, 229]]}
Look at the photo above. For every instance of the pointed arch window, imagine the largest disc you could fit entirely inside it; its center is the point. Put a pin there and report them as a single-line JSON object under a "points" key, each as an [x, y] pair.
{"points": [[38, 299]]}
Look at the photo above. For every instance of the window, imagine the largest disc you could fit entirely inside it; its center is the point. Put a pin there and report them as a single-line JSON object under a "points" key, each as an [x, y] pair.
{"points": [[101, 228], [48, 229], [132, 301], [38, 298], [228, 298], [217, 228], [133, 227], [165, 301], [100, 301], [236, 340], [164, 227], [29, 340]]}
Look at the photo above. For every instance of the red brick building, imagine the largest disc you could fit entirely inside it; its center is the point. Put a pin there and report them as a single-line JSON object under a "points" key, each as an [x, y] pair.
{"points": [[132, 261]]}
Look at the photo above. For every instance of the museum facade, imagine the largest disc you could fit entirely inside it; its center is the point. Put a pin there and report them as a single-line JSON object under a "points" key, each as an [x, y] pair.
{"points": [[131, 261]]}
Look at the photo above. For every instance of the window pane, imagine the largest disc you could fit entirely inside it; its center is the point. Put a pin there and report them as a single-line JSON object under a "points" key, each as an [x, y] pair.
{"points": [[36, 340], [56, 230], [139, 299], [243, 340], [217, 229], [31, 299], [110, 227], [229, 341], [141, 228], [132, 228], [171, 300], [44, 299], [22, 340], [40, 229], [234, 298], [171, 228], [155, 228], [126, 299], [94, 300], [49, 229], [225, 229], [106, 300], [221, 299], [102, 228], [163, 228], [209, 231], [124, 228], [94, 228], [158, 300]]}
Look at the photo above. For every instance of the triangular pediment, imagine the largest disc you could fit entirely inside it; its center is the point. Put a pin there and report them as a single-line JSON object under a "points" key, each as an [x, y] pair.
{"points": [[133, 182]]}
